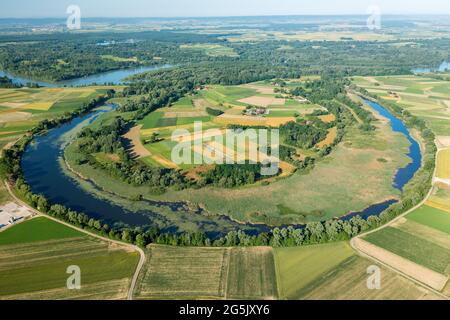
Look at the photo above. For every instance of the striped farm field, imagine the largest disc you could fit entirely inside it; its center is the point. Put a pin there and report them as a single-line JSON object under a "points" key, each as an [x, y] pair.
{"points": [[252, 121], [42, 106], [251, 274], [348, 281], [35, 255], [412, 247], [443, 164], [22, 108], [183, 273], [209, 273], [435, 203]]}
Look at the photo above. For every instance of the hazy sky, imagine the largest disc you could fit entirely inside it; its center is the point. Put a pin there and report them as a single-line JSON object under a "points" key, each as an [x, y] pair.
{"points": [[192, 8]]}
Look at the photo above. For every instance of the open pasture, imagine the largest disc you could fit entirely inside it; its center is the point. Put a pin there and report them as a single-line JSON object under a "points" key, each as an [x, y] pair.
{"points": [[35, 255]]}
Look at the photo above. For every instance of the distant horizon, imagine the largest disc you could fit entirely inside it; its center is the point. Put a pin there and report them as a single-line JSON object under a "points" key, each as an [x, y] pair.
{"points": [[31, 9], [233, 16]]}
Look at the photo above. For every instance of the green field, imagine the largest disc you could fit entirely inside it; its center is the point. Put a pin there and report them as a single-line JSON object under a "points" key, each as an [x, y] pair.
{"points": [[27, 232], [151, 120], [355, 161], [213, 50], [298, 268], [348, 281], [35, 255], [251, 274], [4, 195], [413, 248], [434, 218], [335, 272]]}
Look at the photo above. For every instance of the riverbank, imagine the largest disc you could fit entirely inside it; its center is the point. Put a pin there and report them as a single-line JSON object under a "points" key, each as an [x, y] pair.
{"points": [[115, 77], [355, 146]]}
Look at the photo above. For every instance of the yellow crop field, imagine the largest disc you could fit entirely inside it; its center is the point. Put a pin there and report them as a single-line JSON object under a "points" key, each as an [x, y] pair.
{"points": [[332, 133], [39, 106], [327, 118], [249, 121], [443, 164]]}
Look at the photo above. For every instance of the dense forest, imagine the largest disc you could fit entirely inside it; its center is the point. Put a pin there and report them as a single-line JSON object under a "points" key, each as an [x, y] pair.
{"points": [[58, 57]]}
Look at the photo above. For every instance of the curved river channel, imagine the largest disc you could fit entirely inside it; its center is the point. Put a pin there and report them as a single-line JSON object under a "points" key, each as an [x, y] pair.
{"points": [[44, 170], [114, 77]]}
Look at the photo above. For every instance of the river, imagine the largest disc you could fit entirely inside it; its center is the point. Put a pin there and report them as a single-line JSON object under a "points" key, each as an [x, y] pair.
{"points": [[444, 66], [44, 171], [115, 77], [403, 175]]}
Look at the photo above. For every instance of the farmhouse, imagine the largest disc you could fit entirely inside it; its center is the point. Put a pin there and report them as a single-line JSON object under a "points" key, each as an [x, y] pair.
{"points": [[255, 111]]}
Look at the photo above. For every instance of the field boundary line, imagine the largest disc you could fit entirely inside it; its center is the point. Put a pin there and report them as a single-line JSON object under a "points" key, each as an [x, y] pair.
{"points": [[227, 273], [277, 274], [134, 247]]}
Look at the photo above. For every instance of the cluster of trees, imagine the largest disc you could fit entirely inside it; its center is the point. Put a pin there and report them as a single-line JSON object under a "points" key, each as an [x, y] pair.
{"points": [[214, 112], [365, 116], [303, 135], [233, 175], [108, 139], [6, 82], [139, 174]]}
